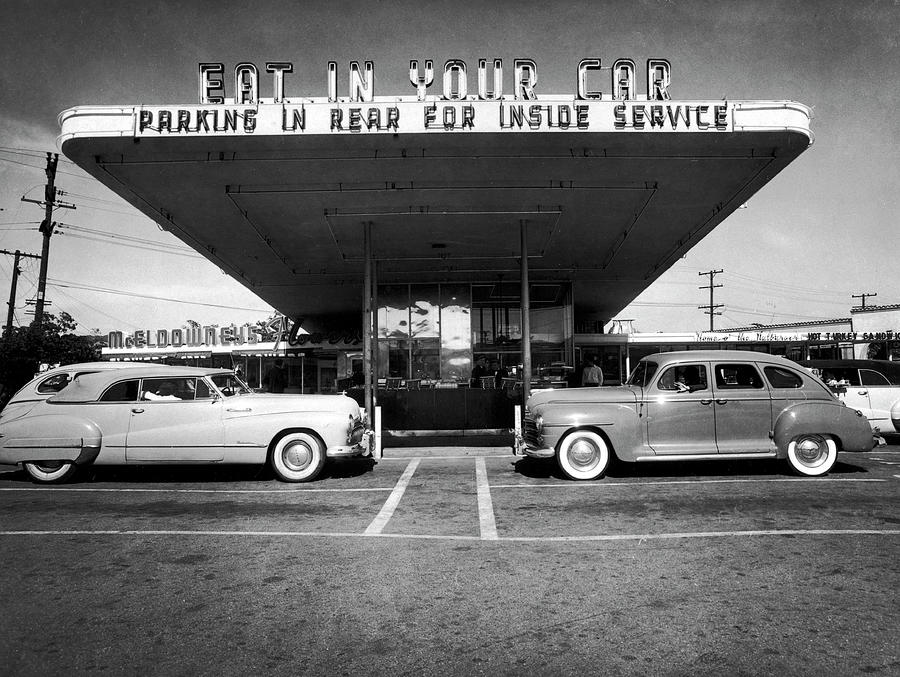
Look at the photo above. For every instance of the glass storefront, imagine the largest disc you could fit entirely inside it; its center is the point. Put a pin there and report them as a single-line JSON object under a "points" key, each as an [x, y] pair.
{"points": [[436, 331]]}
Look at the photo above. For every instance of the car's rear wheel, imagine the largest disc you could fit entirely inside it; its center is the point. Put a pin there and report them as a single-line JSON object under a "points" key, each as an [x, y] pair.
{"points": [[297, 457], [583, 455], [812, 455], [50, 472]]}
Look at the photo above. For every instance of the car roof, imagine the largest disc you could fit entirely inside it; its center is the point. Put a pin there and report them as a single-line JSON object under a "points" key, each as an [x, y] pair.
{"points": [[91, 366], [718, 356], [88, 387]]}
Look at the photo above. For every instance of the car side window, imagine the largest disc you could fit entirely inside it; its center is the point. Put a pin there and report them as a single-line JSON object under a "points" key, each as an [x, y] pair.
{"points": [[53, 384], [870, 377], [683, 376], [737, 377], [780, 377], [169, 389], [123, 391]]}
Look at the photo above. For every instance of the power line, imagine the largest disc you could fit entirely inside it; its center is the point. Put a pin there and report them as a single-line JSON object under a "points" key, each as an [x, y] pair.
{"points": [[134, 246], [103, 290], [128, 238]]}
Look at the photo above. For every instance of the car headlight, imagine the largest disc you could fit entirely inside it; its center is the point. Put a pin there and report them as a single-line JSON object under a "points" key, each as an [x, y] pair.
{"points": [[539, 423]]}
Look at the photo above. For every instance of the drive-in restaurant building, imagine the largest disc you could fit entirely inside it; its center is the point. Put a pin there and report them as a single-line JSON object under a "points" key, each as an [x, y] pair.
{"points": [[442, 225]]}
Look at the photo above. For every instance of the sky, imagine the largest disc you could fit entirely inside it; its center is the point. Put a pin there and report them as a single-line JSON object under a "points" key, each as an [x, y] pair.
{"points": [[824, 229]]}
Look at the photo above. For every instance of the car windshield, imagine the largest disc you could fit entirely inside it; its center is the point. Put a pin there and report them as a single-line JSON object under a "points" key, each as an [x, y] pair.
{"points": [[230, 384], [642, 374]]}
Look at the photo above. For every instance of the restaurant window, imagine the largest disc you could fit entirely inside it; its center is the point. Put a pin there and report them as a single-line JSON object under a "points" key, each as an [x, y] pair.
{"points": [[497, 324], [456, 332]]}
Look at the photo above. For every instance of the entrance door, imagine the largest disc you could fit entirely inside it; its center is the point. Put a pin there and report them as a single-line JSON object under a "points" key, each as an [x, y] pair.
{"points": [[176, 420], [681, 419], [743, 409]]}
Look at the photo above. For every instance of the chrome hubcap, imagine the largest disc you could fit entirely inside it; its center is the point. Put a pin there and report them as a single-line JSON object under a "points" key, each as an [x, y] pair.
{"points": [[810, 450], [297, 455], [583, 454]]}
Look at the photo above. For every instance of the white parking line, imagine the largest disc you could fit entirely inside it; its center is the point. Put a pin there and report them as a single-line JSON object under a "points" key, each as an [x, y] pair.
{"points": [[387, 510], [192, 491], [431, 537], [576, 485], [485, 506]]}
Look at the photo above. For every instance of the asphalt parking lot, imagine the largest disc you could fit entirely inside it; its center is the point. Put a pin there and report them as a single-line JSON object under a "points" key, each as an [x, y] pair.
{"points": [[455, 562]]}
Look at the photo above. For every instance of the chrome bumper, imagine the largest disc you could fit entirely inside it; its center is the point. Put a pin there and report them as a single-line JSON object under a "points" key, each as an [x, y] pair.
{"points": [[361, 448], [521, 448]]}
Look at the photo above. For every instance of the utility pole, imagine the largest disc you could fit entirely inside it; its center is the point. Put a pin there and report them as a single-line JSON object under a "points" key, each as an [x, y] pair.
{"points": [[46, 229], [12, 287], [711, 307], [863, 297]]}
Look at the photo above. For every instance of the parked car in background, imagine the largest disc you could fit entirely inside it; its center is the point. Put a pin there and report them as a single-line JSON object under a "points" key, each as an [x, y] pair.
{"points": [[872, 386], [699, 405], [160, 414]]}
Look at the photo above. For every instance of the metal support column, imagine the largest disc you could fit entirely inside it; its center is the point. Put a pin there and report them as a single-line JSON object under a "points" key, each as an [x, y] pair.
{"points": [[526, 320], [368, 325]]}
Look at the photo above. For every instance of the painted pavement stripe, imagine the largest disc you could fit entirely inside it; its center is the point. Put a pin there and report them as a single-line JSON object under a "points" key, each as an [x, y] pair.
{"points": [[508, 539], [193, 491], [576, 485], [390, 505], [485, 507]]}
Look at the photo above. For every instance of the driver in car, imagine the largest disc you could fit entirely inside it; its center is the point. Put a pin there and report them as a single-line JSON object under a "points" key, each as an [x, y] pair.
{"points": [[166, 391]]}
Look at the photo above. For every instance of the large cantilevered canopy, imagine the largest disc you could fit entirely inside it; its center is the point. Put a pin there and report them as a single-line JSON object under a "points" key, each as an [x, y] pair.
{"points": [[281, 202]]}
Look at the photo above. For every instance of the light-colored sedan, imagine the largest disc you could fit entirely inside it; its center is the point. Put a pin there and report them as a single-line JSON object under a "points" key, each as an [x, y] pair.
{"points": [[696, 405], [179, 415]]}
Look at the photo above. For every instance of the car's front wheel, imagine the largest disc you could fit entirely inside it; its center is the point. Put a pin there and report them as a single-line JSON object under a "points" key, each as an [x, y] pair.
{"points": [[812, 455], [583, 455], [50, 472], [297, 457]]}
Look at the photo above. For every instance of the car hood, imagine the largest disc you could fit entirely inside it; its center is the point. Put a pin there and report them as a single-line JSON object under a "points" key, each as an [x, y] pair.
{"points": [[620, 394]]}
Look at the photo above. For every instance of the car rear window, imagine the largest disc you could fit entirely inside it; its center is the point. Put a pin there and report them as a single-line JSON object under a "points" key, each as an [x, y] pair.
{"points": [[53, 384], [779, 377]]}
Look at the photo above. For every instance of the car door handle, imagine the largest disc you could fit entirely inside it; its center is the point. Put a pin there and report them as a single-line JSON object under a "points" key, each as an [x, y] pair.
{"points": [[862, 392], [246, 409], [721, 401], [705, 401], [137, 411]]}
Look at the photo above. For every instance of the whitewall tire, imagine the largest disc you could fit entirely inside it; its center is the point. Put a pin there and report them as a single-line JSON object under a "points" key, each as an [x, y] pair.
{"points": [[297, 457], [583, 455], [50, 472], [812, 455]]}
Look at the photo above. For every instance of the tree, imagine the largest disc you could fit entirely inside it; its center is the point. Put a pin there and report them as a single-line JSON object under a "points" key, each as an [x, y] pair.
{"points": [[24, 349]]}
